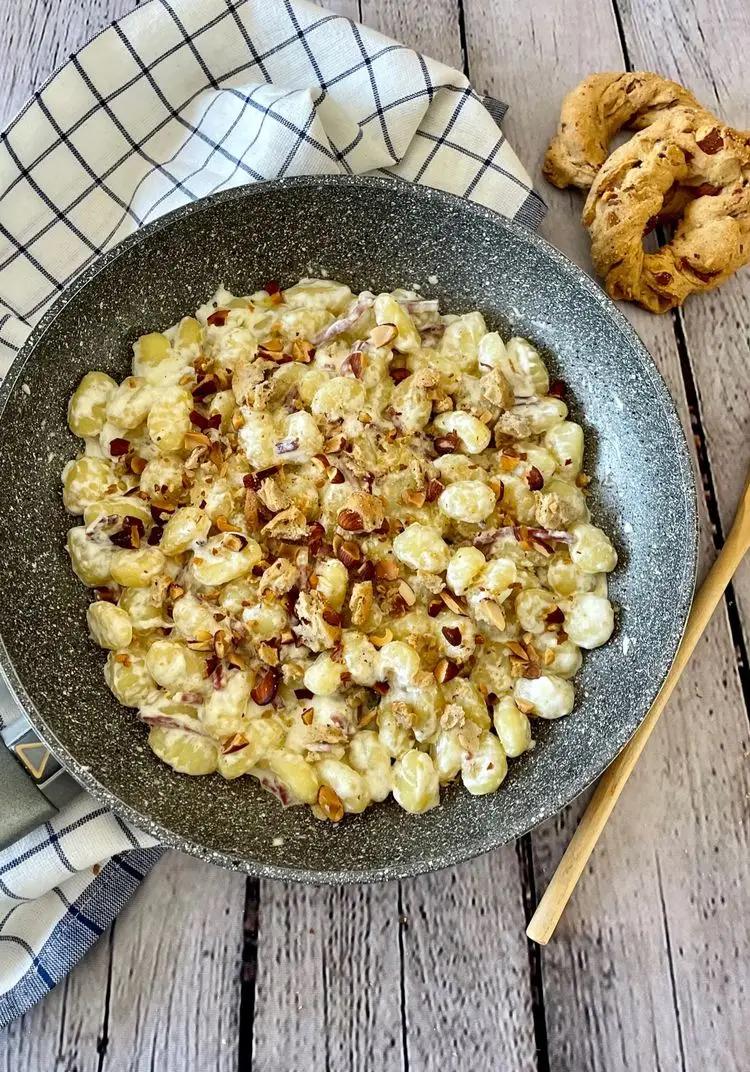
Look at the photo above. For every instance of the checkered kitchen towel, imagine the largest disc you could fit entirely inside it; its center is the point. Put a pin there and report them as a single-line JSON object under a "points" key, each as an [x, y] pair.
{"points": [[174, 102]]}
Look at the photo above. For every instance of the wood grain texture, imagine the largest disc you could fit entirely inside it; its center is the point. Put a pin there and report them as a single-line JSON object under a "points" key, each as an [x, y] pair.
{"points": [[647, 936], [159, 990], [700, 54], [467, 993], [63, 1032], [615, 778], [349, 8], [328, 994], [175, 973], [39, 35], [433, 28]]}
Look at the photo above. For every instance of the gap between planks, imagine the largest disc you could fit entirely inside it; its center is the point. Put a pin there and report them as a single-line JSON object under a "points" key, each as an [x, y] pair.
{"points": [[705, 469]]}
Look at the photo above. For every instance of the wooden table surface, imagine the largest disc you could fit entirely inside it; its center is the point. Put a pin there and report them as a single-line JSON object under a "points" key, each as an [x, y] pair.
{"points": [[650, 968]]}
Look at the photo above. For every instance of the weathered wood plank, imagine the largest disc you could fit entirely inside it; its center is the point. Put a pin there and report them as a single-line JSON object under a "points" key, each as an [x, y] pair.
{"points": [[39, 35], [707, 53], [432, 28], [327, 993], [329, 967], [467, 987], [349, 8], [647, 936], [175, 975], [162, 985]]}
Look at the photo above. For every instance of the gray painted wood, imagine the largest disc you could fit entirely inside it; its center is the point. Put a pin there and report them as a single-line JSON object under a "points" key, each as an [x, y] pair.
{"points": [[716, 327], [467, 987], [349, 8], [175, 971], [39, 35], [432, 28], [62, 1033], [652, 957], [328, 992], [159, 990]]}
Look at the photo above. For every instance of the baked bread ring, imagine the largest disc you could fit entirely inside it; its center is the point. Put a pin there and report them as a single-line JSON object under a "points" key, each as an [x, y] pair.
{"points": [[595, 110], [687, 154]]}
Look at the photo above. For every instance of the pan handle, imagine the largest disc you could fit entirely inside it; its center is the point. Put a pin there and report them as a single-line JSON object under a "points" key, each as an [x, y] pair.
{"points": [[33, 784], [22, 805]]}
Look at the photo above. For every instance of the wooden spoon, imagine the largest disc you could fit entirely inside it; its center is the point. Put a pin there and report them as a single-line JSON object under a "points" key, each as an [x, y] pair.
{"points": [[611, 784]]}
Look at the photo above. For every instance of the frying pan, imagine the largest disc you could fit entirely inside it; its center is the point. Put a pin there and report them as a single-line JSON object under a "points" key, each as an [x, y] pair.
{"points": [[373, 233]]}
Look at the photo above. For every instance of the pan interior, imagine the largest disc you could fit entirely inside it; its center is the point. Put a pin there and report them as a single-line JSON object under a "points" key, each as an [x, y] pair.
{"points": [[373, 234]]}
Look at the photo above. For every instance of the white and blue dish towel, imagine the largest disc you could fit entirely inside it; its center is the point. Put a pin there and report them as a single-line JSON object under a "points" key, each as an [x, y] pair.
{"points": [[174, 102]]}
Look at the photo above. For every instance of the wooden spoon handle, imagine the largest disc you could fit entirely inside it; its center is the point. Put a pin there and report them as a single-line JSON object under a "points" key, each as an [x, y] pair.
{"points": [[611, 784]]}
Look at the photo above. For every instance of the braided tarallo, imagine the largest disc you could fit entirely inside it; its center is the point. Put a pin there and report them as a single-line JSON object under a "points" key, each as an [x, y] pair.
{"points": [[684, 167], [686, 158], [596, 110]]}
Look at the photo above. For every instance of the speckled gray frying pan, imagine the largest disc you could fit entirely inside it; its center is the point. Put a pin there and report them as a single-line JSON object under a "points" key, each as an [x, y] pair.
{"points": [[376, 234]]}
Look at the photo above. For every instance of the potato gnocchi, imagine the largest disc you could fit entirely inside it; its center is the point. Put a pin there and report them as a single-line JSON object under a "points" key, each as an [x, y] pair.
{"points": [[339, 543]]}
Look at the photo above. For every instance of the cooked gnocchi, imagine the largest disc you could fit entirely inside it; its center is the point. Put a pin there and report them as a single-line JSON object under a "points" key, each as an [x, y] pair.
{"points": [[339, 543]]}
